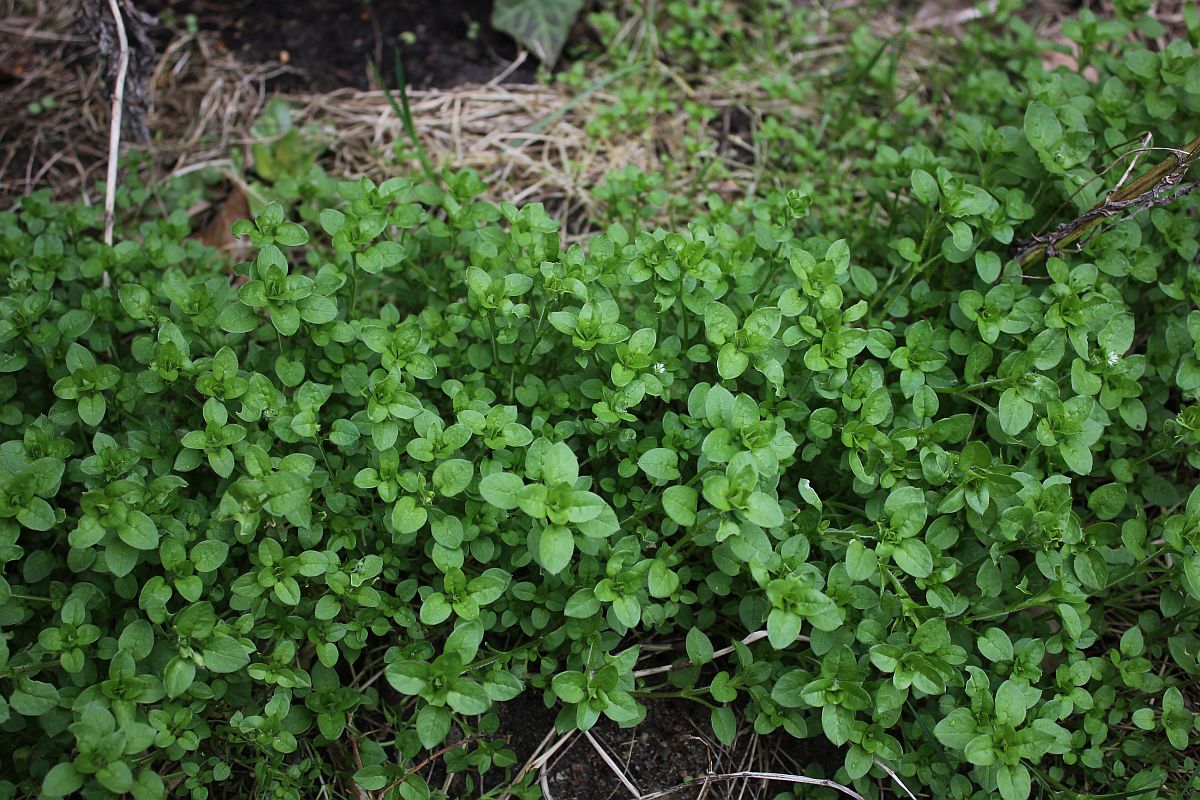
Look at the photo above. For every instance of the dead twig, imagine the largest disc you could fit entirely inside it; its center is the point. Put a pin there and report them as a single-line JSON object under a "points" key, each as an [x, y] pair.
{"points": [[766, 776], [528, 765], [429, 759], [892, 774], [724, 651], [1158, 187], [114, 139], [612, 765]]}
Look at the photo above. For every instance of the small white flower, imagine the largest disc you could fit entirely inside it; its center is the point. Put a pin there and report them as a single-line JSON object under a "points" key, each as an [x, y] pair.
{"points": [[1112, 358], [660, 368]]}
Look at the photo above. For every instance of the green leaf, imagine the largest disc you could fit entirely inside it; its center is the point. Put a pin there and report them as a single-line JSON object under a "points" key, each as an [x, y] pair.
{"points": [[905, 507], [433, 724], [208, 555], [538, 25], [783, 628], [724, 724], [139, 531], [224, 654], [912, 556], [270, 216], [290, 234], [407, 516], [956, 729], [661, 580], [1191, 571], [37, 515], [582, 604], [92, 408], [679, 502], [763, 510], [731, 362], [1015, 412], [467, 697], [559, 464], [372, 778], [1010, 703], [1108, 501], [287, 591], [555, 547], [407, 677], [61, 780], [501, 686], [451, 477], [1042, 128], [1176, 719], [116, 777], [571, 687], [238, 318], [660, 464], [332, 221], [987, 266], [178, 676], [924, 187], [501, 489], [1077, 455], [291, 373], [32, 698], [286, 318], [699, 648], [436, 609], [1013, 781], [861, 562]]}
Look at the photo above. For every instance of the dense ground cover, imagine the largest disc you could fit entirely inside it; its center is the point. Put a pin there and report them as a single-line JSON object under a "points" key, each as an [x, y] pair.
{"points": [[301, 523]]}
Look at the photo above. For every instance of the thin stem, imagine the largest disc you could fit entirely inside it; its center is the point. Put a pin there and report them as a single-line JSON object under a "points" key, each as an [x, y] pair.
{"points": [[1013, 609], [30, 598], [653, 695], [975, 386], [687, 537], [914, 269], [537, 338], [683, 309], [403, 111], [492, 336], [1161, 579]]}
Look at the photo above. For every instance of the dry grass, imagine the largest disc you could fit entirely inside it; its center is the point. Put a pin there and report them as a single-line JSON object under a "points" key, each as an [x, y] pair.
{"points": [[41, 58], [530, 143]]}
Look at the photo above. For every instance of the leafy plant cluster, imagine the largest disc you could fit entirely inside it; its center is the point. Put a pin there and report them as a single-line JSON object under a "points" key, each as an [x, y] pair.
{"points": [[314, 518]]}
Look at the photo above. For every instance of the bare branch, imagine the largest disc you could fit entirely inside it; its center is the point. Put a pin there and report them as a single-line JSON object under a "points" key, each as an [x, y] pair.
{"points": [[1158, 187]]}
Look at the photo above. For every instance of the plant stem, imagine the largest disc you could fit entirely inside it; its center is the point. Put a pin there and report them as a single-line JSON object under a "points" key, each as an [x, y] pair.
{"points": [[974, 386], [537, 338], [492, 336], [683, 309]]}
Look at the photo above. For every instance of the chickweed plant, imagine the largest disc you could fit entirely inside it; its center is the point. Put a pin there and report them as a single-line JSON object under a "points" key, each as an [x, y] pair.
{"points": [[308, 519]]}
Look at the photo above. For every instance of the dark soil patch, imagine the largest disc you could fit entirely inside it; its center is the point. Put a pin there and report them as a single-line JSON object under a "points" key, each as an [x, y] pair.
{"points": [[673, 746], [331, 42]]}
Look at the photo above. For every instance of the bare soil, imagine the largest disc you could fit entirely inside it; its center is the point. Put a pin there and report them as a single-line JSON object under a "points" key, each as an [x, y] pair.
{"points": [[673, 746], [332, 42]]}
